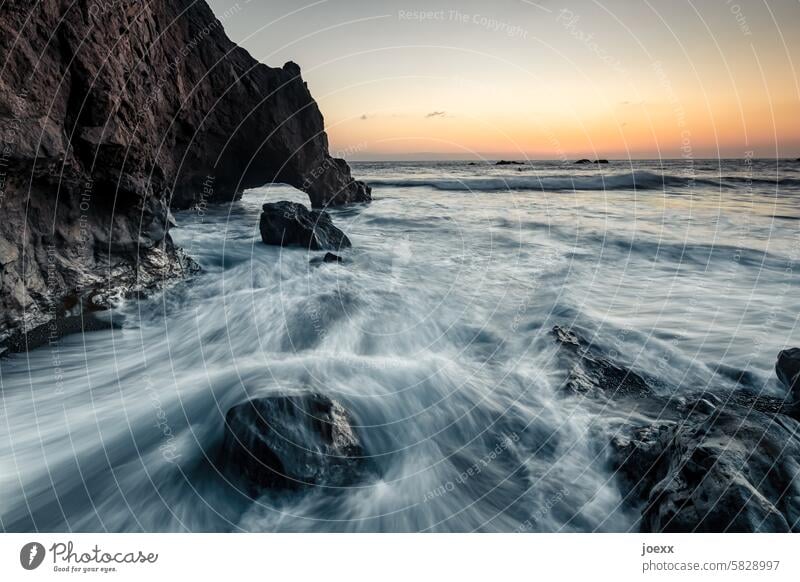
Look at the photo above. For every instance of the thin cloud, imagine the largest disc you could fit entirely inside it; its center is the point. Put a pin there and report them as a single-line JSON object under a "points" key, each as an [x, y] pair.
{"points": [[435, 114]]}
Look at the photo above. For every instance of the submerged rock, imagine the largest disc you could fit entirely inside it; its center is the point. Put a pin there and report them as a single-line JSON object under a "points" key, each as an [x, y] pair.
{"points": [[744, 378], [592, 374], [291, 224], [292, 442], [328, 258], [59, 326]]}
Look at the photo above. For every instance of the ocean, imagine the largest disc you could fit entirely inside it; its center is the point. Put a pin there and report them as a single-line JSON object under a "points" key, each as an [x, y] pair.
{"points": [[436, 334]]}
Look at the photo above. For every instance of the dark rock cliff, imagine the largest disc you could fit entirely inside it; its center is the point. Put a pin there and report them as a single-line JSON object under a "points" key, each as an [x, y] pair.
{"points": [[112, 111]]}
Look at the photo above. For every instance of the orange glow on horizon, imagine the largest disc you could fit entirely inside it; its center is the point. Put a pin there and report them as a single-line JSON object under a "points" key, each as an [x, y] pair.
{"points": [[641, 130]]}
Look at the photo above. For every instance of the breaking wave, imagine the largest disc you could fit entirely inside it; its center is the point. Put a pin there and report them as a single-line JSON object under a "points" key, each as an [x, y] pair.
{"points": [[636, 180]]}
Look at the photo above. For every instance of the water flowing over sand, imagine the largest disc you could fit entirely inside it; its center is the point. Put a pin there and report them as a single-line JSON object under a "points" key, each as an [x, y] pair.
{"points": [[435, 334]]}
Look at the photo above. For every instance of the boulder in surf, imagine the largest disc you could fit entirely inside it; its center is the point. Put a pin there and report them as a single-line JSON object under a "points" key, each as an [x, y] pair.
{"points": [[291, 224], [293, 442]]}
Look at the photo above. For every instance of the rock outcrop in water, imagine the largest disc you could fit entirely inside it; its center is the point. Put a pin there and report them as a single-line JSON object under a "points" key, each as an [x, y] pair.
{"points": [[724, 461], [292, 442], [787, 368], [291, 224], [592, 374], [729, 468], [327, 258], [113, 111]]}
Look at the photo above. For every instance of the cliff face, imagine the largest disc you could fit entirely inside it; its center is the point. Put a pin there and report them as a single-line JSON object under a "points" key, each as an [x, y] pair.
{"points": [[112, 111]]}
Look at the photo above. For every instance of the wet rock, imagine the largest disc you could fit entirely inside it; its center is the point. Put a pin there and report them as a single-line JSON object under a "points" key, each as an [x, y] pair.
{"points": [[293, 442], [331, 258], [593, 374], [787, 369], [729, 468], [744, 378], [291, 224], [705, 406], [113, 112], [744, 399], [712, 462], [636, 457], [61, 325], [328, 258]]}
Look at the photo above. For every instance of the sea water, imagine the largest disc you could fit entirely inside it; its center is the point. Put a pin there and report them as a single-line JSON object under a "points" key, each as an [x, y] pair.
{"points": [[435, 334]]}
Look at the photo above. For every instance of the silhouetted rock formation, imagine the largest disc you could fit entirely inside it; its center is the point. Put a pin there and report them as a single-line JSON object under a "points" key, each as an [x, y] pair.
{"points": [[291, 224], [290, 442], [110, 113], [508, 163], [583, 161]]}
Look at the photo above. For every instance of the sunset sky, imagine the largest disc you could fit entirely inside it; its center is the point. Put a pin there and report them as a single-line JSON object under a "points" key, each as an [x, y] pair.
{"points": [[548, 79]]}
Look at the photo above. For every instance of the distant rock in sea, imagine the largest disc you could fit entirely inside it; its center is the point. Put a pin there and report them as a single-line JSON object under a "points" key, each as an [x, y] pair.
{"points": [[583, 161], [291, 224], [601, 161], [292, 442], [508, 163]]}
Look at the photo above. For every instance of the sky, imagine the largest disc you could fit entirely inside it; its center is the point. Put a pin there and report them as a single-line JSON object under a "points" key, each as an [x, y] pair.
{"points": [[547, 79]]}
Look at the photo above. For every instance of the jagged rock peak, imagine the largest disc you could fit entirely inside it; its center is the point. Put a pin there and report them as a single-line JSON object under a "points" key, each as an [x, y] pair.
{"points": [[112, 111]]}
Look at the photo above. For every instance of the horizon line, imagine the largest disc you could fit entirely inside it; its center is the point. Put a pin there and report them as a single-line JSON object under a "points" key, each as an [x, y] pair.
{"points": [[571, 160]]}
